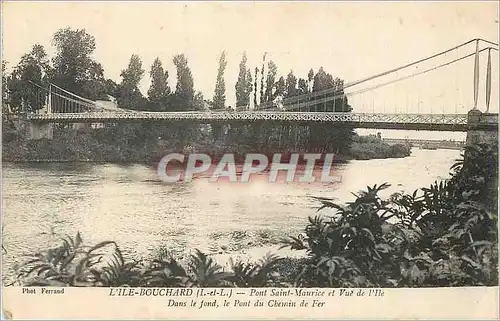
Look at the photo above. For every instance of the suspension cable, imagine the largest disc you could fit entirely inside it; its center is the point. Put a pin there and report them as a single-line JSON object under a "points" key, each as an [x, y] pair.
{"points": [[357, 82], [75, 95], [73, 100], [402, 78], [84, 103], [487, 41], [419, 73]]}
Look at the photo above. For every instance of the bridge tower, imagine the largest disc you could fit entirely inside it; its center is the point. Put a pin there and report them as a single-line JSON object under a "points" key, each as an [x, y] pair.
{"points": [[476, 118], [34, 130]]}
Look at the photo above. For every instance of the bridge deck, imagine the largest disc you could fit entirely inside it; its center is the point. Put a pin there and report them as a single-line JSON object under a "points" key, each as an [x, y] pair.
{"points": [[436, 122]]}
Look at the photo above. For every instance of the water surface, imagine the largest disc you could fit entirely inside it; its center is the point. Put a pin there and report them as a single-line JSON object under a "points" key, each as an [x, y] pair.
{"points": [[128, 204]]}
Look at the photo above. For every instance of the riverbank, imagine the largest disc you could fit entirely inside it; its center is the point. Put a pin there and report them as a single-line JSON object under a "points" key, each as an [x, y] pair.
{"points": [[115, 146]]}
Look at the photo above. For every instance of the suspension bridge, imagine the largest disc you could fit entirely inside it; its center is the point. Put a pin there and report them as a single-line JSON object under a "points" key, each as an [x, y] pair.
{"points": [[339, 105]]}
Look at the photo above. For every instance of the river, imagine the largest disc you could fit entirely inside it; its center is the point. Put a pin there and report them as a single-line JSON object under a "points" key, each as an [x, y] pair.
{"points": [[128, 204]]}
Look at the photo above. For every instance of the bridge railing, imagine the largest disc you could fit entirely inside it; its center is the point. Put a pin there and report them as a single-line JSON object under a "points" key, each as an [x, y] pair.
{"points": [[260, 115]]}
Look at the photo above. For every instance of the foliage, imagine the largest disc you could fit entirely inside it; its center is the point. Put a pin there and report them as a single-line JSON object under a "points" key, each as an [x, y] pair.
{"points": [[5, 93], [260, 274], [145, 142], [199, 101], [272, 71], [248, 85], [130, 96], [291, 85], [322, 81], [280, 87], [184, 90], [32, 68], [373, 147], [310, 77], [219, 101], [74, 264], [303, 88], [73, 67], [159, 90], [262, 86], [444, 235], [255, 101], [244, 84]]}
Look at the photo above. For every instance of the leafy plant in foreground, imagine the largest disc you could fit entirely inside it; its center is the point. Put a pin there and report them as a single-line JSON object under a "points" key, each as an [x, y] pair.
{"points": [[260, 274], [443, 235], [70, 263], [73, 264]]}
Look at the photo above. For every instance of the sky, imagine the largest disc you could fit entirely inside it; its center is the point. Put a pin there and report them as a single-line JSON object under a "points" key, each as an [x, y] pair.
{"points": [[350, 40]]}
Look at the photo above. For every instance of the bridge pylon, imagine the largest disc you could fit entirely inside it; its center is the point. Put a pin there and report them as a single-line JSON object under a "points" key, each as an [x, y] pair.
{"points": [[476, 121]]}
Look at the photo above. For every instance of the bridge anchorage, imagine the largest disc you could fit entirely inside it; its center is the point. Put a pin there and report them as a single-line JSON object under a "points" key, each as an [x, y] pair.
{"points": [[335, 106]]}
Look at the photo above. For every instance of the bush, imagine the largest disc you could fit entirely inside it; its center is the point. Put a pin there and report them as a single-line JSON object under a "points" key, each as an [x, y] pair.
{"points": [[74, 264], [444, 235], [372, 147]]}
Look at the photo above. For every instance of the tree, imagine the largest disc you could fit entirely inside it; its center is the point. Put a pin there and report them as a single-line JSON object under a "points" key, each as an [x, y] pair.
{"points": [[255, 103], [291, 85], [280, 87], [243, 84], [73, 67], [220, 85], [4, 80], [133, 74], [337, 139], [262, 97], [5, 92], [184, 90], [130, 95], [303, 87], [310, 77], [31, 69], [199, 101], [95, 85], [272, 70], [322, 81], [112, 88], [159, 91], [248, 87]]}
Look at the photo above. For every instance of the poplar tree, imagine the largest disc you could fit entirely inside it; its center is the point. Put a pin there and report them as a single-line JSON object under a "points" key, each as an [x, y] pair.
{"points": [[262, 97], [280, 87], [291, 85], [255, 88], [270, 81], [303, 87], [243, 85], [248, 88], [159, 91], [183, 99], [130, 96], [310, 77], [219, 101]]}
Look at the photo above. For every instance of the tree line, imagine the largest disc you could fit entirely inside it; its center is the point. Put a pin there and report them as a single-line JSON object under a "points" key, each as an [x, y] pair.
{"points": [[74, 69]]}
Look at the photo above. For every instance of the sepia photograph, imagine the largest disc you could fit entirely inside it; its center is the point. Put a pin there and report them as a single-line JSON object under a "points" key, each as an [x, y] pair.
{"points": [[287, 149]]}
